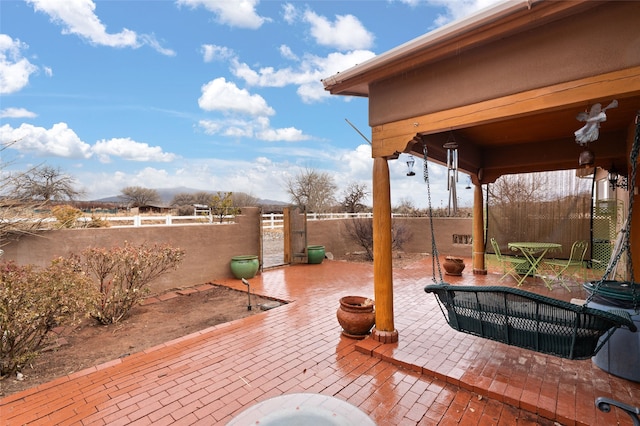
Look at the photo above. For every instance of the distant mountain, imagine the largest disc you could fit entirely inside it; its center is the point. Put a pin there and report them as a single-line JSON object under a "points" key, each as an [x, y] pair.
{"points": [[167, 194]]}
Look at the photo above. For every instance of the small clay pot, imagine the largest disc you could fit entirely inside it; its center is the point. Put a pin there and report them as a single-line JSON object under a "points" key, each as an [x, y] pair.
{"points": [[453, 265]]}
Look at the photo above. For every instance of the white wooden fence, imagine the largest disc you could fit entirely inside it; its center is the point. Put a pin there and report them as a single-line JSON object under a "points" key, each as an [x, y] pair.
{"points": [[275, 220], [269, 220]]}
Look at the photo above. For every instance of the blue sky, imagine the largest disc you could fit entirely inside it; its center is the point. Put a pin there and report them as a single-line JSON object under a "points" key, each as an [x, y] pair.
{"points": [[205, 94]]}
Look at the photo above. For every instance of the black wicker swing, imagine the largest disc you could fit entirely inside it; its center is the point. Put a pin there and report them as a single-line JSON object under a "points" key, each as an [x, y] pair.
{"points": [[529, 320]]}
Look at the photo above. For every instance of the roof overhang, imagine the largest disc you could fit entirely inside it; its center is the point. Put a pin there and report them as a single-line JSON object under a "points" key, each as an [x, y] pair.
{"points": [[523, 131]]}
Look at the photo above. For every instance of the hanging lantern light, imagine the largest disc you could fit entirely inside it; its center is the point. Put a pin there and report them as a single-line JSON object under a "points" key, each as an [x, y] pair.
{"points": [[410, 163], [615, 180]]}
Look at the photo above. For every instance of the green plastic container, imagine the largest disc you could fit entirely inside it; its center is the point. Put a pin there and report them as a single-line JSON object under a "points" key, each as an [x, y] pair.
{"points": [[244, 266], [315, 254]]}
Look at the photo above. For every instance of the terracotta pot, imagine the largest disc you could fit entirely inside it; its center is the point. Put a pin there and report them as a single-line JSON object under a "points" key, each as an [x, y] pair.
{"points": [[356, 316], [453, 265]]}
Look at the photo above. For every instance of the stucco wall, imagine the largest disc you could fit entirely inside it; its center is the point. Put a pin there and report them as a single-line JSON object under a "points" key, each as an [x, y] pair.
{"points": [[331, 234], [208, 247]]}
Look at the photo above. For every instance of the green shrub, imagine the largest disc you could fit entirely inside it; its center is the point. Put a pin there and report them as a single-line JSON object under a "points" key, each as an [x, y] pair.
{"points": [[33, 302], [123, 273]]}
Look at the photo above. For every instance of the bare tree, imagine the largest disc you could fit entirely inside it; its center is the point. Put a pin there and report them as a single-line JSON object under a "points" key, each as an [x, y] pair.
{"points": [[202, 197], [241, 199], [353, 196], [360, 231], [183, 199], [407, 208], [138, 196], [17, 216], [519, 188], [312, 190], [45, 183]]}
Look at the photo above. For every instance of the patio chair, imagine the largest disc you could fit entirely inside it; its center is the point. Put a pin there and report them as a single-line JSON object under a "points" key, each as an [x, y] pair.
{"points": [[560, 267], [510, 264]]}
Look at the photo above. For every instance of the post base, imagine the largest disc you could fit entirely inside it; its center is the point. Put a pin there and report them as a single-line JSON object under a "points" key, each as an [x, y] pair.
{"points": [[384, 336]]}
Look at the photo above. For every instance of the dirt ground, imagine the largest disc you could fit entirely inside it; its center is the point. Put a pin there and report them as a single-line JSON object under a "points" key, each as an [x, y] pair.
{"points": [[148, 325]]}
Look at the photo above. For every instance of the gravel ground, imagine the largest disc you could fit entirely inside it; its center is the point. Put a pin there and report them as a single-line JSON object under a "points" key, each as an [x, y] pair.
{"points": [[273, 248]]}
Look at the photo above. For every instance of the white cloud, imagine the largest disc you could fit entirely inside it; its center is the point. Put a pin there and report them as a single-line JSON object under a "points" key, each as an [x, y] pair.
{"points": [[58, 141], [237, 13], [258, 128], [220, 95], [345, 33], [289, 13], [455, 9], [211, 52], [128, 149], [48, 71], [460, 8], [306, 75], [151, 40], [15, 70], [78, 17], [61, 141], [287, 53], [17, 113]]}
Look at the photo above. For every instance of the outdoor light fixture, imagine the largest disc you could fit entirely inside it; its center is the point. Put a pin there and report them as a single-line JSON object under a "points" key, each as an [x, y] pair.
{"points": [[615, 180], [245, 282], [410, 163]]}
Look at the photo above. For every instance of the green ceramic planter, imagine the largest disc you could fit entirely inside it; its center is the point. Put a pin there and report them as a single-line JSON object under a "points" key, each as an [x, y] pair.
{"points": [[315, 254], [244, 266]]}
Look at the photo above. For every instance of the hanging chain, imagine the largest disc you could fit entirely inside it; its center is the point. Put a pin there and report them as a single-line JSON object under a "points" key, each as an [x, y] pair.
{"points": [[626, 231], [435, 258], [634, 166]]}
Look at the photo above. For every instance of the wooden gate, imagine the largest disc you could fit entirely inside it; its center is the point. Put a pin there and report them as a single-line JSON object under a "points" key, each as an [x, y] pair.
{"points": [[295, 235]]}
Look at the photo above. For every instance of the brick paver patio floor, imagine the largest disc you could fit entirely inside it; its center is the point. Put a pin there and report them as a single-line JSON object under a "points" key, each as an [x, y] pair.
{"points": [[433, 375]]}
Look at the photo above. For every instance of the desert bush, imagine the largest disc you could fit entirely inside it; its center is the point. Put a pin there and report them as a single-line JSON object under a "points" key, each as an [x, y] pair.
{"points": [[360, 231], [33, 302], [66, 215], [98, 222], [123, 275]]}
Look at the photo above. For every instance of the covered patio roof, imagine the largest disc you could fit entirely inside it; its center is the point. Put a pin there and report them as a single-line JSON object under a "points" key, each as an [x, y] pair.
{"points": [[507, 84]]}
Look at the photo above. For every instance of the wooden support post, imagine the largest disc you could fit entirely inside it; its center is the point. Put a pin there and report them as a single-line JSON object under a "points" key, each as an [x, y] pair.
{"points": [[478, 259], [384, 330]]}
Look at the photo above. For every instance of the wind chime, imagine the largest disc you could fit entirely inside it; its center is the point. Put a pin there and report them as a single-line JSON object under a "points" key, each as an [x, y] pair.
{"points": [[452, 173], [590, 131]]}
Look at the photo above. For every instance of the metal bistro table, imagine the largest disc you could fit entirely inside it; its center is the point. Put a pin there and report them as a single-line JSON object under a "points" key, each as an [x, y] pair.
{"points": [[534, 252]]}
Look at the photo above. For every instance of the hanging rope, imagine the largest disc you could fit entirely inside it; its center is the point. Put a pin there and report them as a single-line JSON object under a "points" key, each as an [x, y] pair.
{"points": [[435, 258]]}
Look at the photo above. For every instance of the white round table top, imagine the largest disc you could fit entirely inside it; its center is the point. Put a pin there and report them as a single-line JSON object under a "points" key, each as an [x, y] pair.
{"points": [[302, 409]]}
